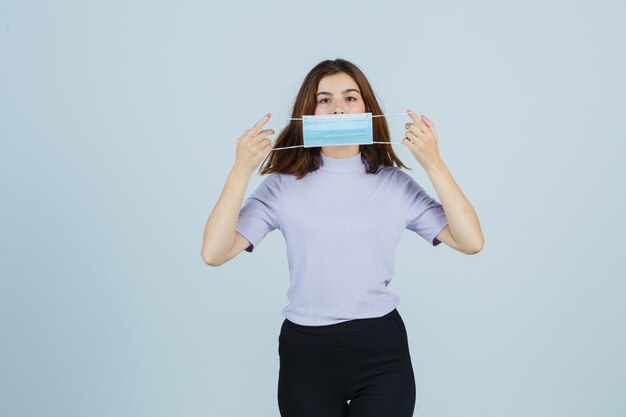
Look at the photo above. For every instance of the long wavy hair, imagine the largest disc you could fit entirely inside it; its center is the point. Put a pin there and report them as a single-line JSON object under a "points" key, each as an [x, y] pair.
{"points": [[300, 161]]}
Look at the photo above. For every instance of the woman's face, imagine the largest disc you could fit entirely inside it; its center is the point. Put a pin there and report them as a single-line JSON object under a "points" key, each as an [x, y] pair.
{"points": [[338, 93]]}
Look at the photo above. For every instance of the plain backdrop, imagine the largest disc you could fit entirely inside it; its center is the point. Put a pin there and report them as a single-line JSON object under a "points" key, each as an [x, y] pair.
{"points": [[118, 122]]}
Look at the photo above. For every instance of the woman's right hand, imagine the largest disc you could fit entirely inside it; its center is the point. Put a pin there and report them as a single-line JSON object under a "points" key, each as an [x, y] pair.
{"points": [[253, 146]]}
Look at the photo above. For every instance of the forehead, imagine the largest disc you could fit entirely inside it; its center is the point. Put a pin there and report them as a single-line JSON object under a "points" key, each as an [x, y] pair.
{"points": [[336, 83]]}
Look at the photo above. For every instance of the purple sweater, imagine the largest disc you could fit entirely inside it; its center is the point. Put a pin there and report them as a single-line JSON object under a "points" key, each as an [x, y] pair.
{"points": [[341, 226]]}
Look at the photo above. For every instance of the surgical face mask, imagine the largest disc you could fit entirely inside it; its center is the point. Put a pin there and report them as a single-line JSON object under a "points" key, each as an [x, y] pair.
{"points": [[337, 129]]}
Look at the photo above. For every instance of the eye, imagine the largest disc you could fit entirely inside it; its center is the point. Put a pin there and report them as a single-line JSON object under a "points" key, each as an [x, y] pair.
{"points": [[353, 98], [322, 100]]}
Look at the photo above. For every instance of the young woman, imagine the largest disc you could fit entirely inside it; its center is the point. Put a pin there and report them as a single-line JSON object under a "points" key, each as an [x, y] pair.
{"points": [[343, 346]]}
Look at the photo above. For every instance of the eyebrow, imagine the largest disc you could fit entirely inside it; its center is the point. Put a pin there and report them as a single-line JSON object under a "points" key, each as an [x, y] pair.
{"points": [[343, 92]]}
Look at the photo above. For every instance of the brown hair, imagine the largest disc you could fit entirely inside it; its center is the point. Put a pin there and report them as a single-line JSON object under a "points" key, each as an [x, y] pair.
{"points": [[300, 161]]}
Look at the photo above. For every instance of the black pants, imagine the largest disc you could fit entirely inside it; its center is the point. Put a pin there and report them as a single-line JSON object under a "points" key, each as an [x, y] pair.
{"points": [[366, 361]]}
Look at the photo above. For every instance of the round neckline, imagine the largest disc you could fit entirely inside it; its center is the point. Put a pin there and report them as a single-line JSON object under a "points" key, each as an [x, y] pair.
{"points": [[349, 164]]}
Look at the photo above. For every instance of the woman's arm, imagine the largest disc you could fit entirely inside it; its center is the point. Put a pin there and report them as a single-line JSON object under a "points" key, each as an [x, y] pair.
{"points": [[219, 232], [221, 242], [463, 231]]}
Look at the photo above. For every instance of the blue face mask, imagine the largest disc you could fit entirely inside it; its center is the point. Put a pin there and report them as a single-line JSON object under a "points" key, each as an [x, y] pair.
{"points": [[337, 129]]}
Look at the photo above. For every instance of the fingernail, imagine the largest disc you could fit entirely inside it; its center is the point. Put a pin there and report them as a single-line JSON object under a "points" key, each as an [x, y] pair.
{"points": [[267, 116], [410, 111]]}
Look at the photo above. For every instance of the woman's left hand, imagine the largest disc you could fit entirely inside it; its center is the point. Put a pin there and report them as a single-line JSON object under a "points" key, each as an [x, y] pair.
{"points": [[421, 139]]}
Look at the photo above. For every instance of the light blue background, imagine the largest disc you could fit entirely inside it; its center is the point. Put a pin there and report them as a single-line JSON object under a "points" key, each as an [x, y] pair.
{"points": [[118, 123]]}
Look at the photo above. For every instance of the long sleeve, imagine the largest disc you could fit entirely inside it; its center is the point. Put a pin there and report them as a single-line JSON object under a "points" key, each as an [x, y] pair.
{"points": [[424, 215], [259, 214]]}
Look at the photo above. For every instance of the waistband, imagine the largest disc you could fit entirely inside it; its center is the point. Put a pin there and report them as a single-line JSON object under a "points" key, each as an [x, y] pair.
{"points": [[344, 326]]}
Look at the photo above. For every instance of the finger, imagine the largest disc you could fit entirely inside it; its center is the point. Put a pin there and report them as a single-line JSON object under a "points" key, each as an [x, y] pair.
{"points": [[264, 143], [270, 145], [412, 137], [263, 133], [408, 125], [407, 142], [258, 125], [412, 127], [419, 122], [430, 124]]}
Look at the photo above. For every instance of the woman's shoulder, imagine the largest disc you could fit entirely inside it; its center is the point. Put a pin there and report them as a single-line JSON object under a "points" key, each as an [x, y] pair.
{"points": [[386, 168], [271, 182], [400, 178], [387, 171]]}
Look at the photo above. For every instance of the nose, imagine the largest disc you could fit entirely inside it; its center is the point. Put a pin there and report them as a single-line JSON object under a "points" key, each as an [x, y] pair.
{"points": [[338, 110]]}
